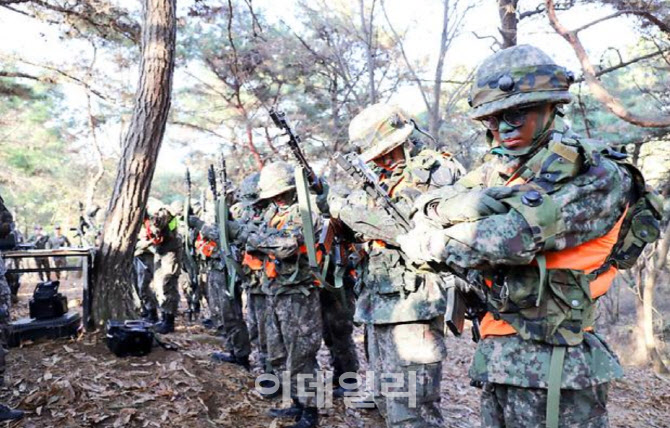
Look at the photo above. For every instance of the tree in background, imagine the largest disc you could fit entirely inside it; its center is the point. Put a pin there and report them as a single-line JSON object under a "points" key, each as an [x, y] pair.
{"points": [[113, 293]]}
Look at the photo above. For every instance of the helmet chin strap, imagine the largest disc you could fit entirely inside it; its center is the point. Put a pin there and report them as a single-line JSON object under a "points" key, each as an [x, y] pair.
{"points": [[539, 140]]}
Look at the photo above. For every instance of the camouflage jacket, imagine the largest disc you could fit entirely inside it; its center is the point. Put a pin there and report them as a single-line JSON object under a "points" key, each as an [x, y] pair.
{"points": [[391, 290], [250, 220], [280, 241], [237, 236], [579, 195]]}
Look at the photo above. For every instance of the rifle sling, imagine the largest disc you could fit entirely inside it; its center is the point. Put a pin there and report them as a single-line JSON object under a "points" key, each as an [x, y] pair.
{"points": [[302, 187]]}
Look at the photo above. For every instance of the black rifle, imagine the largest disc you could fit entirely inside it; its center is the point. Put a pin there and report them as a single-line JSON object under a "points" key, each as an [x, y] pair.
{"points": [[360, 172], [192, 268], [460, 305], [279, 119]]}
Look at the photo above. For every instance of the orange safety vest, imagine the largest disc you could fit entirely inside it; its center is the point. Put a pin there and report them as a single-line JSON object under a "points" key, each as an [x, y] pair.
{"points": [[587, 257]]}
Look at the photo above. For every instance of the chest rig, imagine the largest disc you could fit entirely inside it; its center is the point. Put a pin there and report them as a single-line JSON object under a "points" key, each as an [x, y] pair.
{"points": [[552, 299]]}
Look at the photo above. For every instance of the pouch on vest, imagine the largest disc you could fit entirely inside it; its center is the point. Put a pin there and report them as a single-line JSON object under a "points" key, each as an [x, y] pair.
{"points": [[47, 302], [129, 338], [642, 225]]}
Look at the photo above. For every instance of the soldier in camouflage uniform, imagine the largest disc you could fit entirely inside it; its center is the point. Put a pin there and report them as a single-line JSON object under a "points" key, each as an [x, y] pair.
{"points": [[166, 246], [41, 240], [248, 212], [293, 313], [401, 307], [55, 242], [225, 303], [144, 271], [6, 228], [536, 227]]}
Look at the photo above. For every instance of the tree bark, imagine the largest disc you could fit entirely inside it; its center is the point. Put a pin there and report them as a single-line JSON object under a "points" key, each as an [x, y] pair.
{"points": [[368, 35], [508, 21], [612, 103], [113, 295], [434, 111]]}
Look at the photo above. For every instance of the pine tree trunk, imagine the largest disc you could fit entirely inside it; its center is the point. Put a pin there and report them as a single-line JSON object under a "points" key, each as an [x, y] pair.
{"points": [[113, 294]]}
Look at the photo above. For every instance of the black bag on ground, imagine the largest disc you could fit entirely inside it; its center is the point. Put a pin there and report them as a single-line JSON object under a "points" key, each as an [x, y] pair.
{"points": [[47, 302], [129, 338]]}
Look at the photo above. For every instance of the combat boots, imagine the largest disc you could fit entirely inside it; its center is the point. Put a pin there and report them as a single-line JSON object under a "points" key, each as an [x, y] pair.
{"points": [[222, 357], [308, 419], [149, 315], [343, 386], [295, 411], [166, 325], [9, 414]]}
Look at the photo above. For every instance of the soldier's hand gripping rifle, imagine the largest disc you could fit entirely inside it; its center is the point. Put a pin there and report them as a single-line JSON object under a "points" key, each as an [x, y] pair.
{"points": [[192, 268], [279, 119], [362, 174], [458, 307]]}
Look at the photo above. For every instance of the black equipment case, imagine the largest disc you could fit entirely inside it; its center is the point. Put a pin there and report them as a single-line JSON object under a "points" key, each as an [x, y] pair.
{"points": [[129, 338], [31, 329], [47, 302]]}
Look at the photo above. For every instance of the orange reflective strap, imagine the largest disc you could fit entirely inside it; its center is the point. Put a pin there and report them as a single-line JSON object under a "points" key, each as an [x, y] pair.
{"points": [[204, 246], [253, 262], [271, 268], [378, 244]]}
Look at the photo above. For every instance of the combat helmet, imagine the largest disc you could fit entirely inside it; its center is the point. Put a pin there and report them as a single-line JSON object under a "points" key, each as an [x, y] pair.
{"points": [[248, 189], [519, 76], [378, 129], [275, 179]]}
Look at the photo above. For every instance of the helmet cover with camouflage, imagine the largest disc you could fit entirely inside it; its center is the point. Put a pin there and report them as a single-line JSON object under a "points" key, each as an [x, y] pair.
{"points": [[248, 188], [153, 205], [515, 77], [378, 129], [275, 179]]}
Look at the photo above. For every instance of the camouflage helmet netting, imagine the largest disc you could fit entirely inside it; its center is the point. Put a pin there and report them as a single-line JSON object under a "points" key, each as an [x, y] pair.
{"points": [[275, 179], [248, 188], [516, 77], [378, 129]]}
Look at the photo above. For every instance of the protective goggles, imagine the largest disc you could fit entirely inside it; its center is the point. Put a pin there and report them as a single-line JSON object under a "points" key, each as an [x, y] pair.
{"points": [[514, 118]]}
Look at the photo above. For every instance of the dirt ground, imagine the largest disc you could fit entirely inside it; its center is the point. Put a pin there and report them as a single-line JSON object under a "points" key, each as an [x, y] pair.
{"points": [[79, 383]]}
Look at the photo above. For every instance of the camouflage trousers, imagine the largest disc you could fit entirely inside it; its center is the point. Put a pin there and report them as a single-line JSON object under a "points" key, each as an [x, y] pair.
{"points": [[337, 312], [5, 306], [407, 363], [144, 271], [165, 283], [513, 406], [43, 263], [256, 321], [60, 262], [227, 313], [293, 323]]}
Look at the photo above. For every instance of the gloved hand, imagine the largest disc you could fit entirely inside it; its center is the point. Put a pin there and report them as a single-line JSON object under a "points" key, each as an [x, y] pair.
{"points": [[466, 206], [423, 243]]}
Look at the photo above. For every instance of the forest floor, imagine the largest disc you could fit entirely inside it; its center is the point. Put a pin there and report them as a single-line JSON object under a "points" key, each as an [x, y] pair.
{"points": [[79, 383]]}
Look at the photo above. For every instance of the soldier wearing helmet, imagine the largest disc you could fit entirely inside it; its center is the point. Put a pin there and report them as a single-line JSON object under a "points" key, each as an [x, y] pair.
{"points": [[401, 307], [160, 237], [538, 229], [293, 310]]}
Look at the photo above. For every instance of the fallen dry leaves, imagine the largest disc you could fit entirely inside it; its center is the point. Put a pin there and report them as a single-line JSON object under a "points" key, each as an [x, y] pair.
{"points": [[79, 383]]}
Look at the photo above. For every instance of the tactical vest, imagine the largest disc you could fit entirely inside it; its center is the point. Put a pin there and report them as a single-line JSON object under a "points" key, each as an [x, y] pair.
{"points": [[552, 300]]}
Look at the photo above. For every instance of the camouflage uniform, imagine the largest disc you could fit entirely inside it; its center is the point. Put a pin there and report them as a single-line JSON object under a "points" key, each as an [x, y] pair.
{"points": [[226, 308], [571, 191], [6, 226], [5, 293], [56, 242], [13, 279], [249, 214], [402, 308], [144, 270], [41, 242], [293, 312], [167, 249]]}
